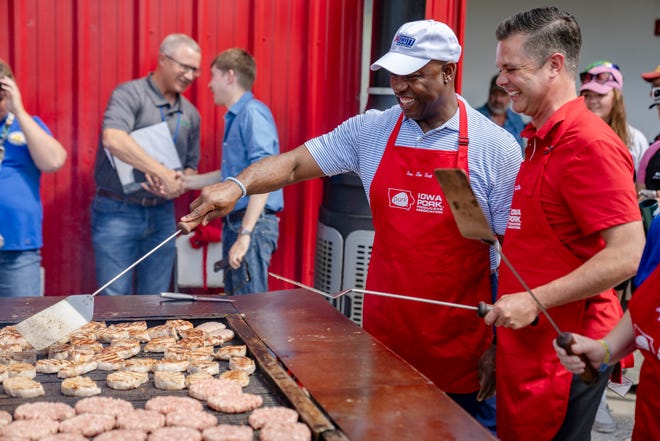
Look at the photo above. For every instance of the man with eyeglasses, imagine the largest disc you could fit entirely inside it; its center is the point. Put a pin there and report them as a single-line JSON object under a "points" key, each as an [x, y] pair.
{"points": [[648, 177], [133, 211]]}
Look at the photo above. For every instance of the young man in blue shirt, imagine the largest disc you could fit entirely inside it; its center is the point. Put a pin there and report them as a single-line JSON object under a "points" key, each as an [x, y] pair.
{"points": [[251, 230]]}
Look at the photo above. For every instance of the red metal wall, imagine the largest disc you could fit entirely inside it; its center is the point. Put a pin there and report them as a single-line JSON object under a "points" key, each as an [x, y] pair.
{"points": [[68, 55]]}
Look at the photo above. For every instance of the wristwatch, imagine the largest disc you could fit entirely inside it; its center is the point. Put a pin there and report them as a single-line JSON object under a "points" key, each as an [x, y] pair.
{"points": [[244, 232]]}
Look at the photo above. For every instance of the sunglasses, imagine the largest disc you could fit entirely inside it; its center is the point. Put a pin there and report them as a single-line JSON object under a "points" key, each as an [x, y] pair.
{"points": [[600, 78], [244, 268], [655, 93]]}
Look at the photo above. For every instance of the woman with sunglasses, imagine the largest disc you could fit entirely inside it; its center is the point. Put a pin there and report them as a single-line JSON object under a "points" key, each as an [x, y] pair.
{"points": [[602, 84]]}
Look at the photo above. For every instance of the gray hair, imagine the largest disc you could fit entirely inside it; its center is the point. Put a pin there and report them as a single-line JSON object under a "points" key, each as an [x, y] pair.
{"points": [[548, 31], [173, 41]]}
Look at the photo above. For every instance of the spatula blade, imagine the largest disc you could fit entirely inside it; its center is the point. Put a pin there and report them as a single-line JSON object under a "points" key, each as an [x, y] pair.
{"points": [[57, 321], [467, 212]]}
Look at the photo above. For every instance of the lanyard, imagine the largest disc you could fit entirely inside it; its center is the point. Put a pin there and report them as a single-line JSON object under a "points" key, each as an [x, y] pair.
{"points": [[178, 122], [5, 131], [5, 128]]}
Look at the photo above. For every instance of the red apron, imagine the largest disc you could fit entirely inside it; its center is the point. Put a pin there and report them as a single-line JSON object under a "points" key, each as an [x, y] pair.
{"points": [[418, 251], [645, 313], [532, 386]]}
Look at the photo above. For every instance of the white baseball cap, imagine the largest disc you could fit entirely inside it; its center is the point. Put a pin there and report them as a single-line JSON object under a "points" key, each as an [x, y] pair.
{"points": [[418, 42]]}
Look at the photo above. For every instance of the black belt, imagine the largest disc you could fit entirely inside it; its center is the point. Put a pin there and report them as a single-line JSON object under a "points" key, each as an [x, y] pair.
{"points": [[239, 214], [132, 200]]}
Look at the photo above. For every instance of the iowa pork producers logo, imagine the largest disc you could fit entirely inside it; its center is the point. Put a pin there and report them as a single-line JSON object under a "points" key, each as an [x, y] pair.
{"points": [[515, 219], [400, 198]]}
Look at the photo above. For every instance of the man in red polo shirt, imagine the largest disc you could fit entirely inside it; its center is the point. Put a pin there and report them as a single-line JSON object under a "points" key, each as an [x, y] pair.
{"points": [[577, 232]]}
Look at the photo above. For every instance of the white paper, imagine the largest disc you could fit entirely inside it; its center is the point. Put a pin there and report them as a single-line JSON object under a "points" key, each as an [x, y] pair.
{"points": [[156, 140], [621, 389]]}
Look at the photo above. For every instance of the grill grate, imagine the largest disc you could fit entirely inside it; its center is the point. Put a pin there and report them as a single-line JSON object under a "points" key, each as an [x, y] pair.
{"points": [[273, 392]]}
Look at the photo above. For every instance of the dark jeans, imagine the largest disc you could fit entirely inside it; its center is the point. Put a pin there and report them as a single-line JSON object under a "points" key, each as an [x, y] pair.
{"points": [[121, 234], [20, 273], [263, 243], [583, 404]]}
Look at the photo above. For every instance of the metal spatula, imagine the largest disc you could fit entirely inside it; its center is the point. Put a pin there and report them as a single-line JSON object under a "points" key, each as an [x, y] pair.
{"points": [[66, 316], [472, 224]]}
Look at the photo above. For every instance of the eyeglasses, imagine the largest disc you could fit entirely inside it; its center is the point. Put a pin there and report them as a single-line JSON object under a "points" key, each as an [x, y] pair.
{"points": [[600, 78], [224, 265], [185, 67]]}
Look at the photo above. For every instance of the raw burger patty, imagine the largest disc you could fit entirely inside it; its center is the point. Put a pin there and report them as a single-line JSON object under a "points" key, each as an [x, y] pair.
{"points": [[65, 437], [194, 419], [175, 434], [104, 405], [29, 429], [166, 404], [285, 432], [266, 415], [141, 419], [234, 403], [89, 424], [44, 409], [228, 432], [5, 418], [204, 389], [122, 435]]}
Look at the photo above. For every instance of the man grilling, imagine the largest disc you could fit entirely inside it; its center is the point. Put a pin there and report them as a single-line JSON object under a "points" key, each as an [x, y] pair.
{"points": [[417, 249]]}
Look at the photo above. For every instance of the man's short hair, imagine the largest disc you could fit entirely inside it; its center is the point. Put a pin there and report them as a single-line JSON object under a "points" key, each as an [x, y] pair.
{"points": [[548, 31], [173, 41], [241, 62]]}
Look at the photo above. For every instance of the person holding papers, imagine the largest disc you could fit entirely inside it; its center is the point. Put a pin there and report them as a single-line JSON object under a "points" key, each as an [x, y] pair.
{"points": [[150, 137]]}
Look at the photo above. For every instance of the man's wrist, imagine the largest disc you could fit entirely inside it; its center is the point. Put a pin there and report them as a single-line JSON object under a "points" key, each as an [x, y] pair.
{"points": [[239, 184], [244, 232]]}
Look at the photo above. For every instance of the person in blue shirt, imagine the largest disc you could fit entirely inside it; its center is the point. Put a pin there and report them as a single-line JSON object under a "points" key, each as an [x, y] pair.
{"points": [[27, 149], [497, 110], [250, 231]]}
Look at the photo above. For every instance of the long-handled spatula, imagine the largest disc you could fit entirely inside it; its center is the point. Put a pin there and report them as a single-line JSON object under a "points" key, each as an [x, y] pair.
{"points": [[66, 316], [472, 224]]}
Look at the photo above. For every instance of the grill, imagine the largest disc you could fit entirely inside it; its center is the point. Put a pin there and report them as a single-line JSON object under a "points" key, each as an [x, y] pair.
{"points": [[344, 384], [271, 382]]}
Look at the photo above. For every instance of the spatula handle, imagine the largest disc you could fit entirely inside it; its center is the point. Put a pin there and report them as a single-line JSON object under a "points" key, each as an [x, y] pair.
{"points": [[590, 375]]}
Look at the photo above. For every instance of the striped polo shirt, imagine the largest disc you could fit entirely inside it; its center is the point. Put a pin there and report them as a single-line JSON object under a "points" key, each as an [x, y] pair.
{"points": [[357, 145]]}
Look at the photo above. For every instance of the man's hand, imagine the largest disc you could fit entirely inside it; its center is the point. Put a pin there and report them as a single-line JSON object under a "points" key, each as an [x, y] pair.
{"points": [[238, 250], [594, 351], [169, 185], [12, 95], [513, 311], [215, 201], [486, 370]]}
